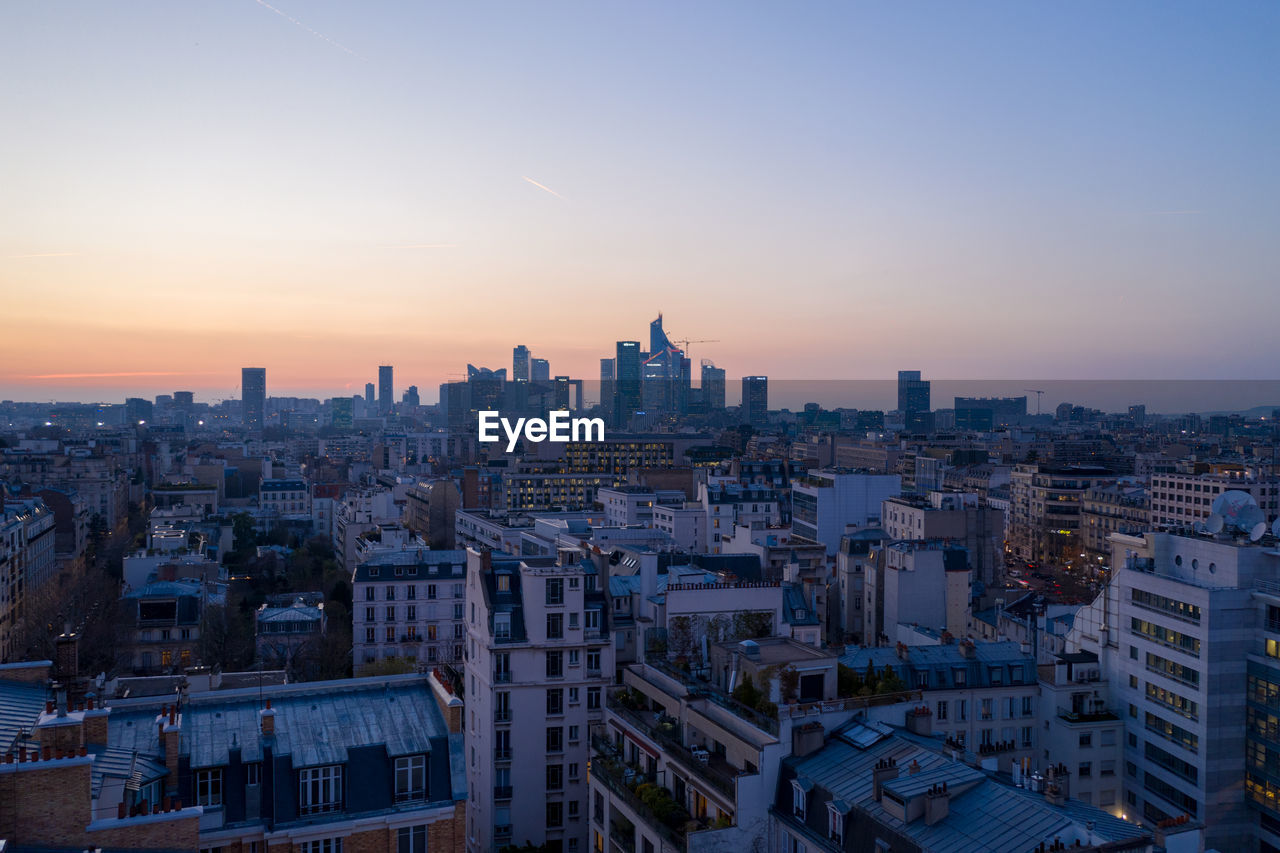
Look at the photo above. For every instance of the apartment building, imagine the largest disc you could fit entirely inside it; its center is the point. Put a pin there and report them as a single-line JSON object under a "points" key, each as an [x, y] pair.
{"points": [[409, 604], [1081, 732], [962, 518], [924, 584], [982, 697], [824, 503], [1045, 502], [539, 657], [27, 563]]}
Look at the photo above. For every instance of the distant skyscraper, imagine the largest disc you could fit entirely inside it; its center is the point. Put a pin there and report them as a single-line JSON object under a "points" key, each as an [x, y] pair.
{"points": [[606, 384], [658, 340], [253, 397], [137, 410], [520, 364], [539, 370], [755, 400], [184, 399], [370, 401], [712, 386], [411, 397], [913, 399], [386, 389], [626, 382]]}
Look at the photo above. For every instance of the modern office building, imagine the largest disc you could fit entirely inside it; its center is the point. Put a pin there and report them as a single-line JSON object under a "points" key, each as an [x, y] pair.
{"points": [[539, 657], [520, 364], [626, 382], [253, 397], [755, 400], [825, 502], [987, 413], [713, 384], [386, 389], [913, 400], [1181, 499], [539, 370], [1188, 633]]}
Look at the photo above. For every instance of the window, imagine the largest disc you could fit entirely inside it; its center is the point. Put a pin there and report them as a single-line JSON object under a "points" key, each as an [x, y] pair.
{"points": [[574, 696], [555, 664], [411, 839], [253, 773], [502, 706], [370, 636], [411, 592], [574, 773], [593, 620], [502, 626], [573, 621], [962, 710], [799, 788], [1026, 735], [593, 661], [575, 658], [391, 614], [411, 613], [369, 615], [555, 702], [573, 814], [1086, 770], [391, 593], [504, 583], [1026, 706], [941, 715], [593, 698], [555, 626], [411, 778], [555, 739], [1086, 740], [555, 591], [555, 777], [502, 745], [320, 789], [322, 845], [431, 591], [573, 734], [835, 823], [209, 787], [555, 815], [369, 593]]}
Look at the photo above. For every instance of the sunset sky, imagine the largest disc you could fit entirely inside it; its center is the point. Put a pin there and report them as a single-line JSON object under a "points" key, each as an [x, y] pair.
{"points": [[975, 189]]}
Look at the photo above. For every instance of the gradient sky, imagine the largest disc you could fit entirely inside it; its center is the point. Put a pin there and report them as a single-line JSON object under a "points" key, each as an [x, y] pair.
{"points": [[1065, 190]]}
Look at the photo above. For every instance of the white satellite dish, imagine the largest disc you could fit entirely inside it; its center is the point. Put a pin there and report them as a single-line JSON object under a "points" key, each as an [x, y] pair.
{"points": [[1275, 527], [1215, 523], [1257, 530], [1250, 518]]}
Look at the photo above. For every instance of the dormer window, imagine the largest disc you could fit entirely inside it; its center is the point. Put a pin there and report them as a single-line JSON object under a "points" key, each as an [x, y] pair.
{"points": [[837, 810], [800, 788]]}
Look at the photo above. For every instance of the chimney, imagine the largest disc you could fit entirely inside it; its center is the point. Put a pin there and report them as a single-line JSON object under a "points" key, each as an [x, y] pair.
{"points": [[920, 720], [807, 739], [886, 769], [67, 656], [937, 804], [966, 648], [267, 718], [169, 729]]}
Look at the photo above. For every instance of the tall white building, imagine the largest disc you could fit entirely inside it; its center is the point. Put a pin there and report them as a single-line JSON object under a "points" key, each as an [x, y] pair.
{"points": [[539, 656], [1181, 638], [409, 604]]}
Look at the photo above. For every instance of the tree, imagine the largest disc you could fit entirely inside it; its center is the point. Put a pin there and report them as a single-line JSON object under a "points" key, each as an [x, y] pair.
{"points": [[387, 666]]}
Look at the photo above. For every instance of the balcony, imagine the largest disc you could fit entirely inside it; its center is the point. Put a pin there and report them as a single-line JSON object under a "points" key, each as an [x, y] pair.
{"points": [[710, 767], [1097, 715], [502, 832], [651, 803]]}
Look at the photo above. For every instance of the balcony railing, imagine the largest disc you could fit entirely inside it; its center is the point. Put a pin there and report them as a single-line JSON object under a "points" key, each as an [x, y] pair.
{"points": [[613, 775], [502, 755], [502, 677], [1098, 715], [722, 779], [502, 792]]}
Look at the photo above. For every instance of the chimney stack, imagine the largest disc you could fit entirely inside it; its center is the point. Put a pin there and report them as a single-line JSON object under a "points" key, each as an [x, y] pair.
{"points": [[886, 769], [267, 718], [937, 804]]}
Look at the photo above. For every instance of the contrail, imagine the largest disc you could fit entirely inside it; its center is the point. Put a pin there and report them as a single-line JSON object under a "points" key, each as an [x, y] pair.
{"points": [[320, 36], [543, 187], [423, 246], [44, 255], [106, 375]]}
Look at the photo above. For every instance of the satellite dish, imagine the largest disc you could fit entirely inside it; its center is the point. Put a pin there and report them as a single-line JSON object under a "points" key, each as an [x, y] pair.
{"points": [[1275, 527], [1230, 502], [1200, 527], [1215, 523], [1250, 518], [1256, 532]]}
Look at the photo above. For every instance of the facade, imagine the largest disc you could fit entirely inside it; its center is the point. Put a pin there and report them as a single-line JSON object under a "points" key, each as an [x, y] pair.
{"points": [[253, 396], [284, 631], [27, 564], [981, 697], [1182, 499], [165, 620], [825, 502], [1182, 634], [1106, 508], [1045, 509], [913, 400], [755, 400], [386, 389], [962, 518], [1081, 731], [409, 604], [539, 657], [917, 583]]}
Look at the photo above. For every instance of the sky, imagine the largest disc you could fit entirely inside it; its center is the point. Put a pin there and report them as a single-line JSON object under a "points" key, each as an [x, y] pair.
{"points": [[1075, 190]]}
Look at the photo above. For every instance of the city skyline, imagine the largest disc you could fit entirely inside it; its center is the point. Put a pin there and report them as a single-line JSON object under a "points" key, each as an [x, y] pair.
{"points": [[1092, 181]]}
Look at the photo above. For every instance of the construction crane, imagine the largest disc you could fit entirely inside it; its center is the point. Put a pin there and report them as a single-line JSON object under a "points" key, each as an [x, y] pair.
{"points": [[685, 347], [1038, 394]]}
